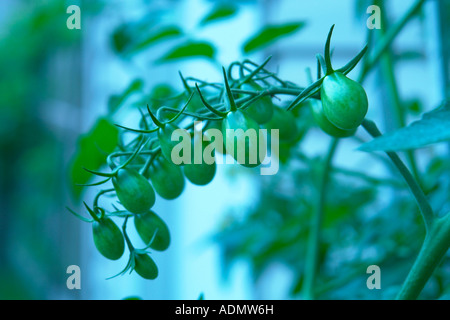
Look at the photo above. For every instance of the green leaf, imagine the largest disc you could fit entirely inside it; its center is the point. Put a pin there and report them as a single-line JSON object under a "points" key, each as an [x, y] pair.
{"points": [[116, 100], [189, 49], [219, 12], [91, 152], [432, 128], [270, 34], [134, 37], [164, 33], [121, 39], [132, 298]]}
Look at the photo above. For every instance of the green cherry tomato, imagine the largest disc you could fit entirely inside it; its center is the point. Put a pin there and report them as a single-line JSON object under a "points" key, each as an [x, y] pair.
{"points": [[108, 238], [133, 190], [262, 109], [285, 122], [167, 178], [344, 101], [147, 224], [217, 125], [242, 139], [199, 173], [325, 124], [165, 140], [145, 266]]}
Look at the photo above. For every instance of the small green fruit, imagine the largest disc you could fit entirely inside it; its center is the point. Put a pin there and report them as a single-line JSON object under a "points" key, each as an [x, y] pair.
{"points": [[344, 101]]}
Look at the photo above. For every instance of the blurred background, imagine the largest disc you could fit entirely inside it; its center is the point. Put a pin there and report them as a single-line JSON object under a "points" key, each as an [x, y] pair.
{"points": [[244, 235]]}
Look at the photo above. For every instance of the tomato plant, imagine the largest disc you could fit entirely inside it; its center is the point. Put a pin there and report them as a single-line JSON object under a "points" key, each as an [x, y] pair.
{"points": [[325, 213]]}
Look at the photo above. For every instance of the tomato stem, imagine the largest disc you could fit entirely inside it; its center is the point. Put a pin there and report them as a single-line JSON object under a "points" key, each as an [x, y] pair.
{"points": [[231, 101], [312, 255], [424, 206], [387, 40], [208, 106], [434, 248], [155, 120], [329, 68], [127, 239], [99, 194]]}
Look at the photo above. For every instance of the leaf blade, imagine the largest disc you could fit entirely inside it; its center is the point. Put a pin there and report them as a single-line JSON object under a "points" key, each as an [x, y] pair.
{"points": [[270, 34], [164, 33], [189, 49], [219, 12], [434, 127], [90, 152]]}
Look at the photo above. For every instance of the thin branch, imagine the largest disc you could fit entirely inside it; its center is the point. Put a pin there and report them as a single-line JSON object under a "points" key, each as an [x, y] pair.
{"points": [[422, 201]]}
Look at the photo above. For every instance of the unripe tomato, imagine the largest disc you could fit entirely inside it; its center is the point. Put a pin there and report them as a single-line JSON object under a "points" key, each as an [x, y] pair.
{"points": [[242, 139], [145, 266], [344, 101], [167, 178], [108, 238], [285, 122], [146, 224], [216, 124], [165, 140], [325, 124], [133, 190], [262, 109], [199, 173]]}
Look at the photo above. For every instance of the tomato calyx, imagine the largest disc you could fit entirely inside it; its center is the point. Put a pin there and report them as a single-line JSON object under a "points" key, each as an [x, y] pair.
{"points": [[108, 238], [139, 259]]}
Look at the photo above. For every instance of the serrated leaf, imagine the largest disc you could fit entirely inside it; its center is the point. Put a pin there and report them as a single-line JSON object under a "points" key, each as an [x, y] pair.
{"points": [[91, 152], [270, 34], [432, 128], [190, 49], [219, 12]]}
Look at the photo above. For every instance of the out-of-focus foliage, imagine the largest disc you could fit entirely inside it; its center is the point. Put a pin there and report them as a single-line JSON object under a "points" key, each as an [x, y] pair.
{"points": [[364, 224], [367, 220], [92, 149], [432, 128], [219, 12], [32, 164], [275, 229], [270, 34]]}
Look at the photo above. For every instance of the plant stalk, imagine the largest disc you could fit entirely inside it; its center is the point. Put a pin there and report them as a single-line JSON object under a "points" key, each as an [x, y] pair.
{"points": [[312, 256], [422, 201], [434, 248], [387, 40]]}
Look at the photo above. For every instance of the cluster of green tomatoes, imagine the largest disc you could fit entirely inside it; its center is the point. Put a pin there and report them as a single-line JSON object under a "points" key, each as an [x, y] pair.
{"points": [[144, 167]]}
